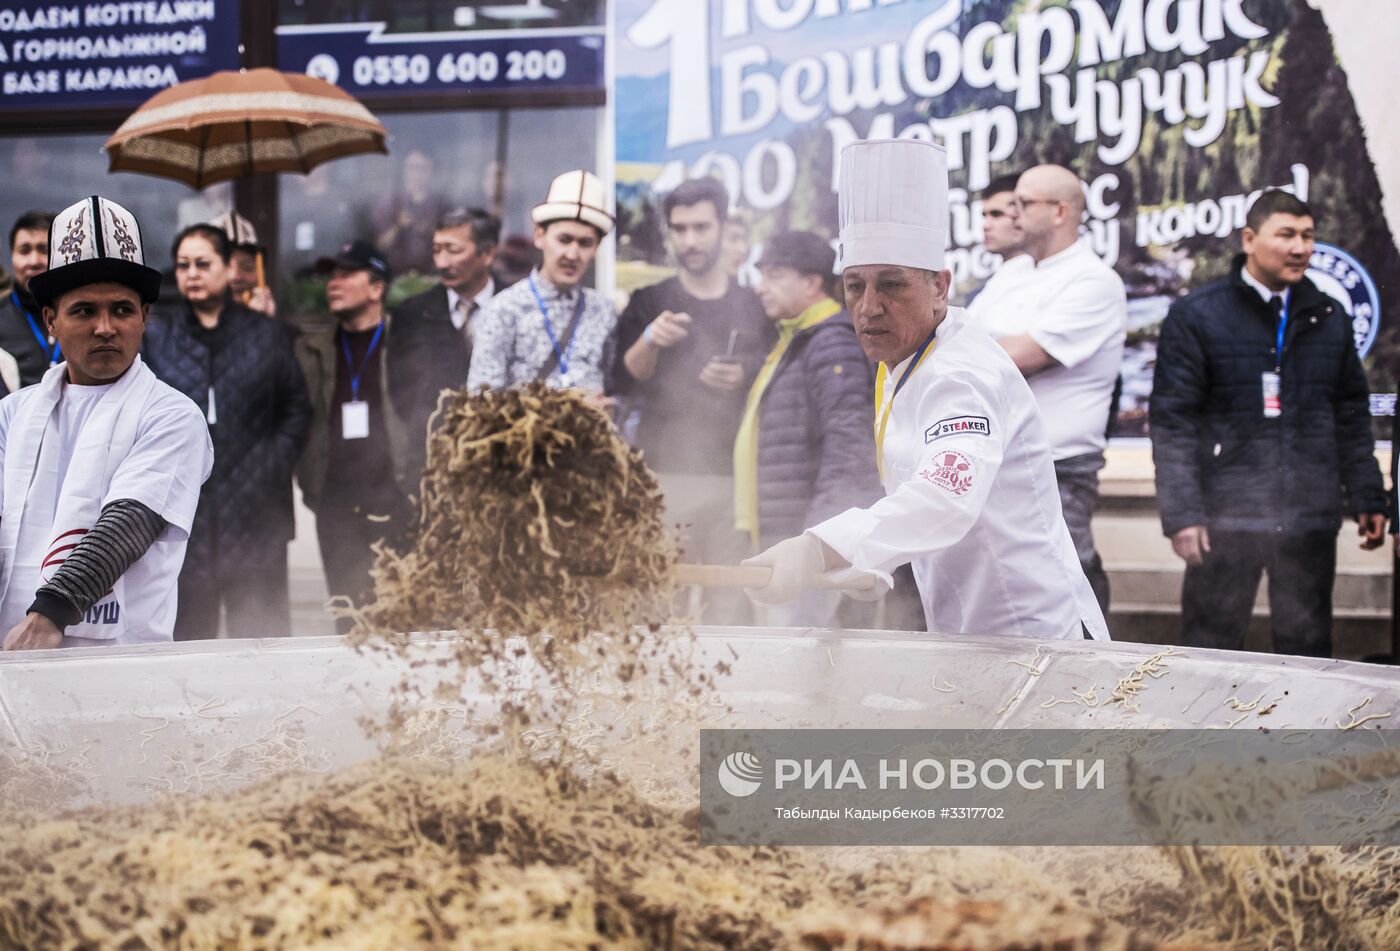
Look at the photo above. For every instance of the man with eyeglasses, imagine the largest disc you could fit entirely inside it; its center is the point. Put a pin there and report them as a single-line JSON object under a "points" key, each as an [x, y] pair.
{"points": [[1062, 316]]}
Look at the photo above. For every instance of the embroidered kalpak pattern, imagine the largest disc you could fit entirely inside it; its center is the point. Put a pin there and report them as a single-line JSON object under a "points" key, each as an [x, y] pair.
{"points": [[126, 244], [71, 247]]}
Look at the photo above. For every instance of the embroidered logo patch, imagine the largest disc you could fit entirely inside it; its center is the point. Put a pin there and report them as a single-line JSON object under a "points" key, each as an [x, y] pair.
{"points": [[957, 426], [951, 471]]}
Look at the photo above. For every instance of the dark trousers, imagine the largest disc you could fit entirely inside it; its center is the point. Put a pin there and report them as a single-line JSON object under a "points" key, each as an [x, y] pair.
{"points": [[1218, 597], [1078, 478], [346, 533], [254, 601]]}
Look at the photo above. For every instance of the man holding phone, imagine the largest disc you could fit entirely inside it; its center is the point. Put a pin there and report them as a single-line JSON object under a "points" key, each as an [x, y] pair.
{"points": [[688, 349]]}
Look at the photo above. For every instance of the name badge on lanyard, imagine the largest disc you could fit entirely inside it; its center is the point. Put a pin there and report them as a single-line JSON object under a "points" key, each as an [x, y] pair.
{"points": [[354, 420], [1273, 401], [354, 414]]}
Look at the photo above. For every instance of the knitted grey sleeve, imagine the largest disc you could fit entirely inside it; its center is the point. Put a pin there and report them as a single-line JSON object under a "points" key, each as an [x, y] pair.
{"points": [[124, 532]]}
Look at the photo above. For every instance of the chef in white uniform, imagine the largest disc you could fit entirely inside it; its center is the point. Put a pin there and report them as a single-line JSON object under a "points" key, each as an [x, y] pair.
{"points": [[971, 498], [100, 462]]}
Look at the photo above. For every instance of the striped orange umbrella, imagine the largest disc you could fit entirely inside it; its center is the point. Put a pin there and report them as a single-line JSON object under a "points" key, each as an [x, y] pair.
{"points": [[232, 124]]}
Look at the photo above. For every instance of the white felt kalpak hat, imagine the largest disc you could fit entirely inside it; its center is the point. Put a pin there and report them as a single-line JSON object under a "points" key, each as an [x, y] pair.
{"points": [[893, 204], [576, 196], [240, 230], [94, 241]]}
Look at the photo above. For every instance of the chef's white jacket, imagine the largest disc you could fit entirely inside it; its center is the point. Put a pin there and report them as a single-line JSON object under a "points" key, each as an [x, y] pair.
{"points": [[971, 501]]}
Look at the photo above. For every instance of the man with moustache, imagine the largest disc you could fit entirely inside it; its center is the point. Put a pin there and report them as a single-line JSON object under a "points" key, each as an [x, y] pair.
{"points": [[689, 348], [964, 458], [1261, 436], [464, 248]]}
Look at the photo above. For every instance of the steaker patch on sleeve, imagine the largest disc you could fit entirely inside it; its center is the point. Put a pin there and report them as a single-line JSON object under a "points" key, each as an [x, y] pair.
{"points": [[958, 426]]}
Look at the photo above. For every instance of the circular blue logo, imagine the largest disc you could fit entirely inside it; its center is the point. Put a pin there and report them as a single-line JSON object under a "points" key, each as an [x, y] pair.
{"points": [[1341, 277]]}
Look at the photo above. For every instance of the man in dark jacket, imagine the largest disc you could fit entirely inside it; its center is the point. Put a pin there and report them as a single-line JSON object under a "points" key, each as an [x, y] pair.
{"points": [[1261, 435], [374, 382], [464, 248], [22, 332], [805, 450]]}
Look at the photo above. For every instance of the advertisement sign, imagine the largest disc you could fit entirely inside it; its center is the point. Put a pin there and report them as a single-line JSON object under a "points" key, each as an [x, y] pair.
{"points": [[91, 55], [364, 59], [1173, 114]]}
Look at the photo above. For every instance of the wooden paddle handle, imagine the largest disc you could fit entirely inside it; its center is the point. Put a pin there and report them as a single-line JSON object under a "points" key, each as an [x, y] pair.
{"points": [[755, 576]]}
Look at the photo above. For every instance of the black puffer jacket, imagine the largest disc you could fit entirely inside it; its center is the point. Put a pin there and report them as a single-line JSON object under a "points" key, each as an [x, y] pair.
{"points": [[1219, 462], [262, 418], [816, 445]]}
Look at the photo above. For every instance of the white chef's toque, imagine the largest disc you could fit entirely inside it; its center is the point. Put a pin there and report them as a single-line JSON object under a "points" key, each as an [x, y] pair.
{"points": [[893, 204]]}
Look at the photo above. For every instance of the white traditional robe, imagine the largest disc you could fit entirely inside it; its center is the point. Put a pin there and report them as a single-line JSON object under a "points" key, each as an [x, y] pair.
{"points": [[67, 451]]}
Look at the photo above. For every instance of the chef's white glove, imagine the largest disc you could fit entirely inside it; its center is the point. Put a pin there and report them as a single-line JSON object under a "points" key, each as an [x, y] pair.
{"points": [[858, 585], [796, 563]]}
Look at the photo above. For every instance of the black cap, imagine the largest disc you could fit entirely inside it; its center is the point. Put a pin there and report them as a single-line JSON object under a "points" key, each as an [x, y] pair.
{"points": [[804, 252], [356, 255]]}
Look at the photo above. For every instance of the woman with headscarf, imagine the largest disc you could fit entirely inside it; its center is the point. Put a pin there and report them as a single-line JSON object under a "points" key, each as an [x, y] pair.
{"points": [[239, 368]]}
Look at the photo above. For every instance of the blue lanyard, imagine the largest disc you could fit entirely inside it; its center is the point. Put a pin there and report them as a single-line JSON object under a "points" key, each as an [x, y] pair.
{"points": [[913, 363], [358, 371], [564, 356], [51, 348], [1282, 324]]}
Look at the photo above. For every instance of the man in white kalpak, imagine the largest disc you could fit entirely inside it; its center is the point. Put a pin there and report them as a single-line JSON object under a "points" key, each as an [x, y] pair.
{"points": [[971, 500], [100, 462]]}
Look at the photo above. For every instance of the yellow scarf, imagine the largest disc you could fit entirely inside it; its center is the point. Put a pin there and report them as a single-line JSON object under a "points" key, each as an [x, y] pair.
{"points": [[746, 443]]}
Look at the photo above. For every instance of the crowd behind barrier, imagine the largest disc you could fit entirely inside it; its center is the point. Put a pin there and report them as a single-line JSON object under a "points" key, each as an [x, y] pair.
{"points": [[745, 385]]}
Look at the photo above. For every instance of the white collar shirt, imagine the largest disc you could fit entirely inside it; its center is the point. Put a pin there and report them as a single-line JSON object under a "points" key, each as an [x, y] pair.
{"points": [[971, 499], [1262, 290], [454, 308], [1075, 308]]}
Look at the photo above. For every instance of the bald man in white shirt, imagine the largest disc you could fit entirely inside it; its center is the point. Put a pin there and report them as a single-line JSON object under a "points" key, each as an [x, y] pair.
{"points": [[1064, 320]]}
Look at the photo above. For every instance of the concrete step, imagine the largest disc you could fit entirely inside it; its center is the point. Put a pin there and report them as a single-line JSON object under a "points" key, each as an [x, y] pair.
{"points": [[1357, 593], [1353, 638]]}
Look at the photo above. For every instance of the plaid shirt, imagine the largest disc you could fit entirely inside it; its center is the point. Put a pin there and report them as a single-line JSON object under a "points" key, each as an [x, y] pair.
{"points": [[512, 344]]}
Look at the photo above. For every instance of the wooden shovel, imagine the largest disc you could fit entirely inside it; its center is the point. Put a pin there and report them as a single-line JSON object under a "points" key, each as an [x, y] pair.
{"points": [[756, 576]]}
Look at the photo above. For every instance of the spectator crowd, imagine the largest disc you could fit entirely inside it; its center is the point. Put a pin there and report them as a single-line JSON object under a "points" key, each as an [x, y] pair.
{"points": [[744, 384]]}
